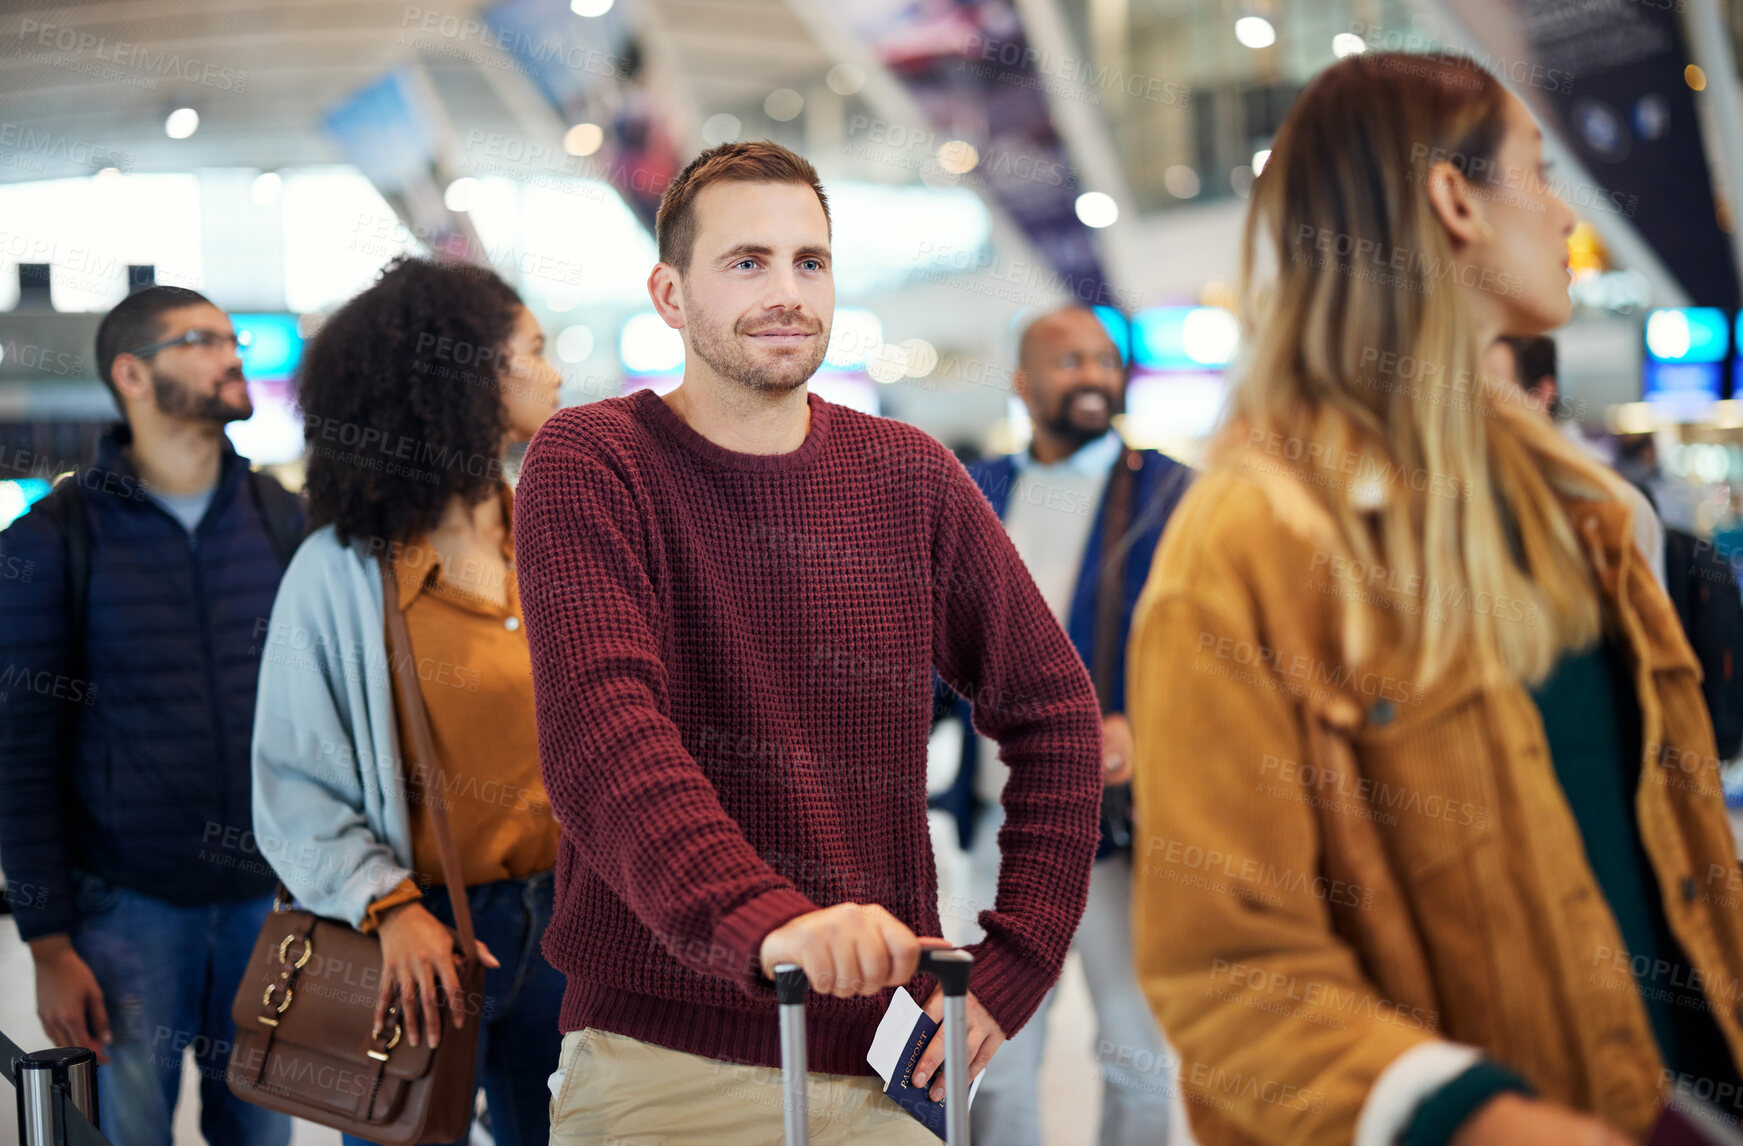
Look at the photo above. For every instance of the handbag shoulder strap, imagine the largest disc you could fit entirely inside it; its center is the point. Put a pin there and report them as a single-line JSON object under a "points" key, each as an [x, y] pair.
{"points": [[423, 754], [1110, 595]]}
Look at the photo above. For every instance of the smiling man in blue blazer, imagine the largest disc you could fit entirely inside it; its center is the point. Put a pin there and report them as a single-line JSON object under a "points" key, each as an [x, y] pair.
{"points": [[1085, 512]]}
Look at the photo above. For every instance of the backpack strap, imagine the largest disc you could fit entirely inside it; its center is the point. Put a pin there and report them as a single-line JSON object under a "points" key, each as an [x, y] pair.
{"points": [[281, 511], [65, 507], [1110, 597]]}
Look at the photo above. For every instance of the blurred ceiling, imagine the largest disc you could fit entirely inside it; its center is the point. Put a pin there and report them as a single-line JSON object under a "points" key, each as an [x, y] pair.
{"points": [[99, 78]]}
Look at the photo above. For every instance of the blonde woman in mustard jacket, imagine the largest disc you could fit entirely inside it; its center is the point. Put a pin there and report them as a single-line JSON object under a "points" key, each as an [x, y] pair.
{"points": [[1431, 842]]}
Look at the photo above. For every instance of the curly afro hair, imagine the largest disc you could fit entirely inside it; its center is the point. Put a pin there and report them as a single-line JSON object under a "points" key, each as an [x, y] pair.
{"points": [[401, 399]]}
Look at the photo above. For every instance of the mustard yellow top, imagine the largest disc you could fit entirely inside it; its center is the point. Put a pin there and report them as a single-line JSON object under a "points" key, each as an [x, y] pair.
{"points": [[477, 687]]}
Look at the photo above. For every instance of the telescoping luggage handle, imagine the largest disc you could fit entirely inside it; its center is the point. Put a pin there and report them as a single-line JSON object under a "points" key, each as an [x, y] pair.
{"points": [[951, 967]]}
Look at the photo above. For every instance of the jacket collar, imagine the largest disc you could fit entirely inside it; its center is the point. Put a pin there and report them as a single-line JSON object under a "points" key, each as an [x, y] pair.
{"points": [[1606, 528], [112, 455]]}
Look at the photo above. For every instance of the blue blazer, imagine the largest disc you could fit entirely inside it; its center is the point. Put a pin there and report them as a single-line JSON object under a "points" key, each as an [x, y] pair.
{"points": [[1159, 486]]}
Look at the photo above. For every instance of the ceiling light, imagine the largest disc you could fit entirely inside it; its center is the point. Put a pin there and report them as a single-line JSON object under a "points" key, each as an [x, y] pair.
{"points": [[845, 79], [1097, 209], [958, 157], [182, 122], [1347, 44], [461, 194], [783, 104], [719, 129], [583, 139], [1255, 32], [1181, 181], [575, 344]]}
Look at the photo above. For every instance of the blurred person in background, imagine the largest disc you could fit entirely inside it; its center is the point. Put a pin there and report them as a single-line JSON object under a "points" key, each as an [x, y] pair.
{"points": [[1431, 839], [1084, 512], [1529, 362], [131, 658], [1677, 499], [1728, 537], [738, 594], [442, 367]]}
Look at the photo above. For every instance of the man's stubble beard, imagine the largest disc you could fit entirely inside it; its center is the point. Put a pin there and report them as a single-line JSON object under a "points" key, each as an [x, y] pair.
{"points": [[726, 356], [175, 398]]}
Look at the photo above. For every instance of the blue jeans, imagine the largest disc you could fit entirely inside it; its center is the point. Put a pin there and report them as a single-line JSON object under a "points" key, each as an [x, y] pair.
{"points": [[168, 976], [1140, 1103], [519, 1043]]}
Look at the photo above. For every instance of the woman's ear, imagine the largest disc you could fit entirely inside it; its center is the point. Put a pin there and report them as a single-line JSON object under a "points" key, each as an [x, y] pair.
{"points": [[1458, 205]]}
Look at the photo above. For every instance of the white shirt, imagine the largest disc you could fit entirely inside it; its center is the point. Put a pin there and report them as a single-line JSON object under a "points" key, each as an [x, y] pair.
{"points": [[1051, 511]]}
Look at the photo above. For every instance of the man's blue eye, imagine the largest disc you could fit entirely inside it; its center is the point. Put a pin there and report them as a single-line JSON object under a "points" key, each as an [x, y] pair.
{"points": [[746, 262]]}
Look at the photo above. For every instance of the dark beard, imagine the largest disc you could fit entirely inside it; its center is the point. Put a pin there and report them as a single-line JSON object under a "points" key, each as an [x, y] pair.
{"points": [[173, 397], [1067, 428], [728, 360]]}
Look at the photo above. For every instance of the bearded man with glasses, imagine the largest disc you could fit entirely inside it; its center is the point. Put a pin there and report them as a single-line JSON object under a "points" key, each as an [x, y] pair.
{"points": [[128, 660]]}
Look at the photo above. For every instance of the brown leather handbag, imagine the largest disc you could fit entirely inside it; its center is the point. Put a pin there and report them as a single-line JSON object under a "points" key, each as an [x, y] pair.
{"points": [[306, 1044]]}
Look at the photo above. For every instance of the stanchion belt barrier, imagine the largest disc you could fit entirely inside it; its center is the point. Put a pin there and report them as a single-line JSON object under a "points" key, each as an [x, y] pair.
{"points": [[57, 1094]]}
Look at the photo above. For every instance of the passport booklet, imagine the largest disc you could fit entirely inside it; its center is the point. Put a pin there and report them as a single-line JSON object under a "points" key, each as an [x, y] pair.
{"points": [[902, 1037]]}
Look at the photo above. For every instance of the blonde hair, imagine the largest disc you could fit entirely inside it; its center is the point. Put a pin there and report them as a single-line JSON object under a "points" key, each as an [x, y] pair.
{"points": [[1361, 348]]}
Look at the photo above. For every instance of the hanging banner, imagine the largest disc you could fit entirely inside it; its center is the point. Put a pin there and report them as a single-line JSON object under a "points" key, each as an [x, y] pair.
{"points": [[1612, 80], [591, 69], [391, 131], [969, 66]]}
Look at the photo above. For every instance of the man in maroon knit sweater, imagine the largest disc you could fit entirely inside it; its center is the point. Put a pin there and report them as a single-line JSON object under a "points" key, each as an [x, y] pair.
{"points": [[736, 597]]}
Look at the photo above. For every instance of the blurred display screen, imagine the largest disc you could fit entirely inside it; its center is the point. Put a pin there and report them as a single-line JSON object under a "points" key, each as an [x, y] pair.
{"points": [[1686, 351], [1119, 328], [1737, 360], [1184, 338], [18, 495], [275, 433], [1162, 409], [275, 346]]}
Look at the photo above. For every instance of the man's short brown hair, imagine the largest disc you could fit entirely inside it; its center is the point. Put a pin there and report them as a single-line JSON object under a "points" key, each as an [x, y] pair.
{"points": [[761, 162]]}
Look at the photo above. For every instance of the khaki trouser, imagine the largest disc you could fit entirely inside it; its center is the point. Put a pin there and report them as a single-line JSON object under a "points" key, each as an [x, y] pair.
{"points": [[619, 1091]]}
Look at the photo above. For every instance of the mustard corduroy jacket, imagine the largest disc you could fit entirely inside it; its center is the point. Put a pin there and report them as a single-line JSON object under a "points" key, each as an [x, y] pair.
{"points": [[1333, 864]]}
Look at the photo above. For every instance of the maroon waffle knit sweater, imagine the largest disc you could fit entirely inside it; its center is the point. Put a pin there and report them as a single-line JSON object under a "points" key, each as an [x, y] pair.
{"points": [[733, 660]]}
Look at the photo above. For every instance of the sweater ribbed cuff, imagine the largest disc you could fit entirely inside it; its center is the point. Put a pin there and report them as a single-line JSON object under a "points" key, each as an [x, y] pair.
{"points": [[735, 951], [1007, 985], [1444, 1112], [406, 892], [43, 910]]}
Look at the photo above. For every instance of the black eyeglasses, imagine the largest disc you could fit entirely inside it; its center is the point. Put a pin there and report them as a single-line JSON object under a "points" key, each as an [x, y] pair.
{"points": [[204, 339]]}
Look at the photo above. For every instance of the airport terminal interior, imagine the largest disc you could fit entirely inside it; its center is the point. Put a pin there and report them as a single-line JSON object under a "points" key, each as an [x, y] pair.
{"points": [[988, 164]]}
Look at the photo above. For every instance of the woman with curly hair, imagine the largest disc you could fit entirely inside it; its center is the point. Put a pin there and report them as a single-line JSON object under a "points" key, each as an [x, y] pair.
{"points": [[411, 394]]}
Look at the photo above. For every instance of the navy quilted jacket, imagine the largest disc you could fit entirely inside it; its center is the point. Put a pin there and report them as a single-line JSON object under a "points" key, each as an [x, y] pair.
{"points": [[153, 789]]}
